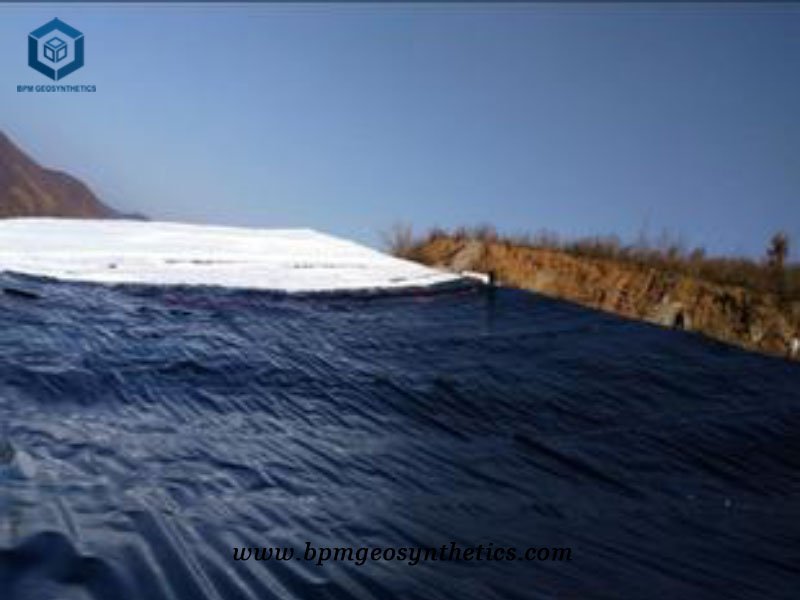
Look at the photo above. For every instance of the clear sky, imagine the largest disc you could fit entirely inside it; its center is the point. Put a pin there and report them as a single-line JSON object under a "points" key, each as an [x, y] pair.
{"points": [[582, 119]]}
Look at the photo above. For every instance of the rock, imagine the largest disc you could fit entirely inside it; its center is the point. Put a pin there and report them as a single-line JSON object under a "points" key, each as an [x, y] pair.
{"points": [[671, 314], [468, 257], [756, 333]]}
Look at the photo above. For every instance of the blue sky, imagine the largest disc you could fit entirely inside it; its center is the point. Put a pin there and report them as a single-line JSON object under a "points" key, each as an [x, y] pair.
{"points": [[581, 119]]}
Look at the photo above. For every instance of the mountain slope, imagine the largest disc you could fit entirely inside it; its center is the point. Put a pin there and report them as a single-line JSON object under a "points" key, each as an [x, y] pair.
{"points": [[30, 190]]}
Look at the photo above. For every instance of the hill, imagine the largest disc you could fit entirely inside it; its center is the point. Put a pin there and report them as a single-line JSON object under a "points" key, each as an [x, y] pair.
{"points": [[29, 190], [755, 305]]}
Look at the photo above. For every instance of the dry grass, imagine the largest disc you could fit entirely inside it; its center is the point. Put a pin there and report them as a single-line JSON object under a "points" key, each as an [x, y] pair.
{"points": [[666, 255]]}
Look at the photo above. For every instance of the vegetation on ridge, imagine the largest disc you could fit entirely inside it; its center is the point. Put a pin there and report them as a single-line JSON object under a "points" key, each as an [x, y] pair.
{"points": [[773, 274], [751, 303]]}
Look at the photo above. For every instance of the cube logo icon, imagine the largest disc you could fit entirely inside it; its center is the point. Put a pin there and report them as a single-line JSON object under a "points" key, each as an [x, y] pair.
{"points": [[55, 49]]}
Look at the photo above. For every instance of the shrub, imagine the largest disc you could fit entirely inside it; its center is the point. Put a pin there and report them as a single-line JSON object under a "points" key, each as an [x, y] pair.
{"points": [[775, 275]]}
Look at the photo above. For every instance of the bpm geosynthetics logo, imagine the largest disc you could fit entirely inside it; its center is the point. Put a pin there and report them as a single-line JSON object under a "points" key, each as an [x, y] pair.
{"points": [[55, 49]]}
